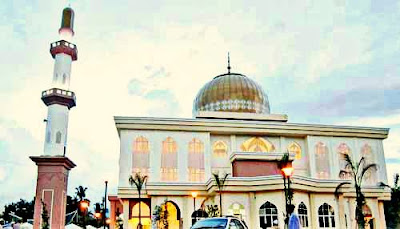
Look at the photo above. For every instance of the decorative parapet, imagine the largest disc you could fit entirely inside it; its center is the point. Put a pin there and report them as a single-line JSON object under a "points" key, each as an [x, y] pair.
{"points": [[65, 47], [59, 96]]}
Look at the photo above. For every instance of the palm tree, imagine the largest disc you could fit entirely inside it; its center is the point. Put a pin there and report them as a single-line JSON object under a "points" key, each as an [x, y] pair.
{"points": [[139, 181], [220, 182], [80, 192], [392, 207], [356, 171]]}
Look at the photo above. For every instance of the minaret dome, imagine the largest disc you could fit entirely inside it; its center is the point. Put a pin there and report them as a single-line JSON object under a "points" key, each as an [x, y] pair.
{"points": [[67, 22]]}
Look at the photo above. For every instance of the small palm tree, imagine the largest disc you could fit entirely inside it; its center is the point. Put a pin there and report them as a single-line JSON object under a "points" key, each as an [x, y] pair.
{"points": [[356, 171], [80, 192], [392, 207], [220, 182], [139, 181]]}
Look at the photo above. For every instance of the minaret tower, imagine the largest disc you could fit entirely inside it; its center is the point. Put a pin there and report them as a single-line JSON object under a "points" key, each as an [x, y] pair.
{"points": [[53, 165], [59, 99]]}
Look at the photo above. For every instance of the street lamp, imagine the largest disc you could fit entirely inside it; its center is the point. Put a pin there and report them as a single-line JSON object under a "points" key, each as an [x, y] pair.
{"points": [[287, 172], [194, 195], [105, 205], [84, 205]]}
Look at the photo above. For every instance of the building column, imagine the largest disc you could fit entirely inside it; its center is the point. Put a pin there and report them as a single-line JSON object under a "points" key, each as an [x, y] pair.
{"points": [[126, 213], [313, 210], [112, 212], [382, 220], [352, 213], [252, 216], [342, 218]]}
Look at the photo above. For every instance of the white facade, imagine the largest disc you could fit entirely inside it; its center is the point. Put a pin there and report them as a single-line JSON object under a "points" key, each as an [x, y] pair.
{"points": [[245, 196]]}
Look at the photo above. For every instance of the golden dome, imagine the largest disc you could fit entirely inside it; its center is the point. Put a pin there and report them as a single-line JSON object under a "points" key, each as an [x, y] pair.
{"points": [[232, 92]]}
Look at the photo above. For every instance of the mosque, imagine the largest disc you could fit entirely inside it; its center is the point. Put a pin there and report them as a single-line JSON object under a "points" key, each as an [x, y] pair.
{"points": [[233, 131]]}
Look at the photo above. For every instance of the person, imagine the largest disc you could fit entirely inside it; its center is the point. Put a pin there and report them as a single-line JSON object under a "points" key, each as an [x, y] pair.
{"points": [[294, 221]]}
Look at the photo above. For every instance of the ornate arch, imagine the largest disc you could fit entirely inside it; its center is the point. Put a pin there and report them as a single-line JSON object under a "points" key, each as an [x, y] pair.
{"points": [[196, 160], [140, 155], [342, 150], [322, 160], [295, 148], [257, 144], [169, 160], [220, 149]]}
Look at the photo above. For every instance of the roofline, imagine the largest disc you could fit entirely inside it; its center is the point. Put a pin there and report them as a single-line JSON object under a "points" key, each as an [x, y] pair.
{"points": [[226, 126]]}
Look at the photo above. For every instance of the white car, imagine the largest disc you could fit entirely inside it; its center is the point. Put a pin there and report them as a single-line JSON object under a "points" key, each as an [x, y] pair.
{"points": [[220, 223]]}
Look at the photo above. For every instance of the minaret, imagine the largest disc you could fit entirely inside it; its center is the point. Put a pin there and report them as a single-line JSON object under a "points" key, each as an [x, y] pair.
{"points": [[53, 165], [59, 99]]}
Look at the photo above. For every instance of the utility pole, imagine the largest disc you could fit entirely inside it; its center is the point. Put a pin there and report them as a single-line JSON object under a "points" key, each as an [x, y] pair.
{"points": [[105, 206]]}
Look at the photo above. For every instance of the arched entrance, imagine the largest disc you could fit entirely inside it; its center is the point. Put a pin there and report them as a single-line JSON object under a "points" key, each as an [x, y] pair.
{"points": [[145, 215], [173, 213]]}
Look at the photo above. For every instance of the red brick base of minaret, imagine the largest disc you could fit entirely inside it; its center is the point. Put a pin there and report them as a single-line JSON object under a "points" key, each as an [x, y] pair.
{"points": [[51, 189]]}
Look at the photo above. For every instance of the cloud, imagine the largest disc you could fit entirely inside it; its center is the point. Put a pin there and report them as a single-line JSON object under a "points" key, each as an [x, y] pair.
{"points": [[318, 61]]}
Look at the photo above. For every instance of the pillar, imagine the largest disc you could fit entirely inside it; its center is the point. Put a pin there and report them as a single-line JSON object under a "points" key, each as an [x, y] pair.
{"points": [[51, 189]]}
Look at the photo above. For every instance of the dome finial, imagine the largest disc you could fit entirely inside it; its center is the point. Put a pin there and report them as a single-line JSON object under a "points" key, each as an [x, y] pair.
{"points": [[229, 64]]}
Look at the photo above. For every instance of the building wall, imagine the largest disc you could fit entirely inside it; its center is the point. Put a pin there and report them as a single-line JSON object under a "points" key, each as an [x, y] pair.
{"points": [[306, 166]]}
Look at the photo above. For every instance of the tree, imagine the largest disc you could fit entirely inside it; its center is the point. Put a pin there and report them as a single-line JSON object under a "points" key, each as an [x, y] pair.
{"points": [[139, 181], [356, 172], [80, 193], [45, 217], [220, 182], [22, 208], [392, 207]]}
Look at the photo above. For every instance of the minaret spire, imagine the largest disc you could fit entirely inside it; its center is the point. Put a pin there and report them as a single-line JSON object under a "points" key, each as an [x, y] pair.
{"points": [[229, 64]]}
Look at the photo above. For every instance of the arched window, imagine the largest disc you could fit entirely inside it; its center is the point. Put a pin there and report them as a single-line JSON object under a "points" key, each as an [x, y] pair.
{"points": [[326, 216], [257, 144], [196, 160], [342, 151], [140, 156], [169, 160], [268, 215], [237, 210], [58, 137], [220, 162], [302, 211], [220, 149], [366, 152], [64, 79], [322, 160], [295, 148], [173, 215]]}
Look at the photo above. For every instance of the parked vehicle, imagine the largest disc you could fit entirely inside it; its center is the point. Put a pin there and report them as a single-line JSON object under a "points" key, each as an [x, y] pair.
{"points": [[220, 223]]}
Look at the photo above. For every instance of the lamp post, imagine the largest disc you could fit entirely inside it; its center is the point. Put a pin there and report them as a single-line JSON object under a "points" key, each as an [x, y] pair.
{"points": [[194, 195], [287, 172], [105, 205]]}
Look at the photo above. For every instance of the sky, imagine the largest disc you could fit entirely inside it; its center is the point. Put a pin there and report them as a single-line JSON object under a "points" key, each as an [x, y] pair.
{"points": [[329, 62]]}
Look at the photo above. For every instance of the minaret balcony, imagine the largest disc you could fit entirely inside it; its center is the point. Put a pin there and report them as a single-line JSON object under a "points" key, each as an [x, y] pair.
{"points": [[59, 96], [65, 47]]}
